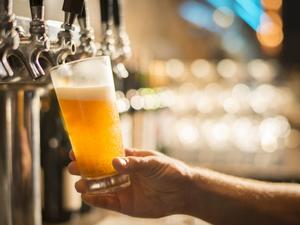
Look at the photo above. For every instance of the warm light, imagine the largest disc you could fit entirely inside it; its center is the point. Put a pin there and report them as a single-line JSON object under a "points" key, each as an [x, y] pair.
{"points": [[269, 144], [123, 105], [227, 68], [201, 68], [175, 68], [270, 34], [220, 132], [167, 98], [223, 17], [231, 105], [241, 91], [187, 132], [157, 68], [122, 102], [130, 93], [273, 17], [275, 127], [244, 135], [151, 101], [263, 98], [261, 70], [270, 130], [272, 4], [204, 103], [137, 102]]}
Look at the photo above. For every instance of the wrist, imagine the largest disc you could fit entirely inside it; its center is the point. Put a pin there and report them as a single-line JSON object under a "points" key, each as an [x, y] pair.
{"points": [[198, 193], [190, 191]]}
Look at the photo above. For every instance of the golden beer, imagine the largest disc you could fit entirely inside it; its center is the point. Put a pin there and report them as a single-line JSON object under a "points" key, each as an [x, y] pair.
{"points": [[86, 95], [92, 121]]}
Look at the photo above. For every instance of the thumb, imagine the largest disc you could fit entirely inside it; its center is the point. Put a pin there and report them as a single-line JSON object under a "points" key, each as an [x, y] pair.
{"points": [[133, 164]]}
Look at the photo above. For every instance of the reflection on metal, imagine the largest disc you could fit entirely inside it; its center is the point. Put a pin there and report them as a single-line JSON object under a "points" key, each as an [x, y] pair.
{"points": [[31, 46], [115, 42], [5, 159], [87, 47], [20, 198], [24, 60], [20, 143], [9, 38]]}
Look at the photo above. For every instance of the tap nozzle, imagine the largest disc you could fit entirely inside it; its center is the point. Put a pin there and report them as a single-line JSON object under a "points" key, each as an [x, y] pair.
{"points": [[65, 45], [123, 50], [9, 40], [87, 45], [107, 46], [32, 46]]}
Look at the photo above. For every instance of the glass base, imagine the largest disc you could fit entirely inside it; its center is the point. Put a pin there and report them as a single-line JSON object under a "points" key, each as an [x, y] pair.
{"points": [[108, 184]]}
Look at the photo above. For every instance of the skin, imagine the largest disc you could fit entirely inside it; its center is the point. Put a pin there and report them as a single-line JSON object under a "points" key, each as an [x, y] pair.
{"points": [[162, 186]]}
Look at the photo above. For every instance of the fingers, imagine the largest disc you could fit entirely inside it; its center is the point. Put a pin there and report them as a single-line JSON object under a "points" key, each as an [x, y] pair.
{"points": [[133, 164], [141, 153], [73, 168], [81, 186], [110, 202]]}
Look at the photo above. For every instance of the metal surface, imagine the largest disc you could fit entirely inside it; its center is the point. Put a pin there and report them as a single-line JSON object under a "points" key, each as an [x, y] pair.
{"points": [[9, 38], [5, 159], [20, 133], [24, 60], [20, 141], [65, 45], [122, 43], [32, 46], [60, 49], [87, 47], [108, 42]]}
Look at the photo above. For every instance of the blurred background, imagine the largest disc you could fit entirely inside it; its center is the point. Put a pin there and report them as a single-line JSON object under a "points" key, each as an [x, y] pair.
{"points": [[214, 83]]}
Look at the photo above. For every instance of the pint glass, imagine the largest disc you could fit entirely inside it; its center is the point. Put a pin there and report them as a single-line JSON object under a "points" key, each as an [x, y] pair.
{"points": [[86, 95]]}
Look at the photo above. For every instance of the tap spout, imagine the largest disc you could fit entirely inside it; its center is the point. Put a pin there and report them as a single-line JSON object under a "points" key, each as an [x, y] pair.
{"points": [[123, 49], [9, 39], [65, 45], [32, 46], [87, 45], [108, 43]]}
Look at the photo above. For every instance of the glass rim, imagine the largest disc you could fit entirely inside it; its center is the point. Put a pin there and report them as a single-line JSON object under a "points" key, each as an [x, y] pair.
{"points": [[79, 60]]}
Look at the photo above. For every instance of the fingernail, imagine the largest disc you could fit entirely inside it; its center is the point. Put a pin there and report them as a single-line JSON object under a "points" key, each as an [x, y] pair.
{"points": [[123, 162]]}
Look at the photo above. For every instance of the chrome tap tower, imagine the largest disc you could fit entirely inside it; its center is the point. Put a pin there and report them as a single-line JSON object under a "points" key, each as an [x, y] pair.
{"points": [[26, 55], [22, 80]]}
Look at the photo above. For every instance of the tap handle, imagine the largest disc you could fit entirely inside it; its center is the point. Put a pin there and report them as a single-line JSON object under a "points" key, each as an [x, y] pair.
{"points": [[83, 12], [117, 13], [83, 18], [37, 10], [73, 6], [36, 3], [106, 11], [5, 7]]}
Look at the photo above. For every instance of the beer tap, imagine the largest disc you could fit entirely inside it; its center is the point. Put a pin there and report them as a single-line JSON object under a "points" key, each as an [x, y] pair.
{"points": [[107, 44], [87, 45], [122, 43], [9, 39], [123, 50], [65, 45], [32, 46]]}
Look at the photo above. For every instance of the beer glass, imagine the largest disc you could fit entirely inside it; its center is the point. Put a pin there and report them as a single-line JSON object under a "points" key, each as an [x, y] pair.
{"points": [[86, 95]]}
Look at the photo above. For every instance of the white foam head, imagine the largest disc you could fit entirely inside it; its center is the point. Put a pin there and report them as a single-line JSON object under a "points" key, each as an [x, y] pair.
{"points": [[83, 73], [86, 93]]}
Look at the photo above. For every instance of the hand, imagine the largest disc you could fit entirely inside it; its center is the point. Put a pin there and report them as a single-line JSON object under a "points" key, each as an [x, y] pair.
{"points": [[159, 185]]}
